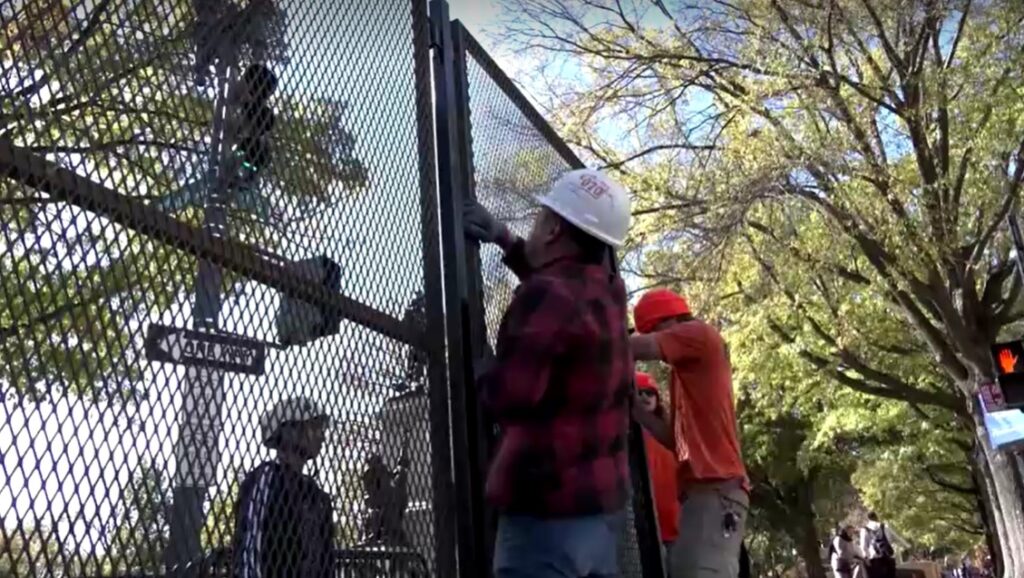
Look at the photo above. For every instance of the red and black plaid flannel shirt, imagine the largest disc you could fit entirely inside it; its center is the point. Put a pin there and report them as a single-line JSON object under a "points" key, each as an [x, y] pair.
{"points": [[560, 387]]}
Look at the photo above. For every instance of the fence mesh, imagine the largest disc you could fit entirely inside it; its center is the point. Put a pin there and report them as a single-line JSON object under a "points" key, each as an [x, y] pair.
{"points": [[134, 136], [513, 163]]}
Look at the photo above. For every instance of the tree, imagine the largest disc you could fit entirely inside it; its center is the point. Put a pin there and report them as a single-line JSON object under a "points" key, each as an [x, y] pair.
{"points": [[847, 166], [107, 89], [28, 551], [844, 451], [790, 487]]}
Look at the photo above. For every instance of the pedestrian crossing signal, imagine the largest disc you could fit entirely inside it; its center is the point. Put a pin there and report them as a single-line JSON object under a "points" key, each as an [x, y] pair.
{"points": [[1008, 359]]}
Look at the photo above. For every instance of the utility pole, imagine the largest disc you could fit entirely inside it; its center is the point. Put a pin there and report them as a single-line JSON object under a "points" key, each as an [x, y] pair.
{"points": [[199, 421], [240, 149], [199, 417]]}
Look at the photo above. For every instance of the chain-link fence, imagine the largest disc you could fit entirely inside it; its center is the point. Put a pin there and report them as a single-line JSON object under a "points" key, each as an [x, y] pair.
{"points": [[218, 269], [224, 344]]}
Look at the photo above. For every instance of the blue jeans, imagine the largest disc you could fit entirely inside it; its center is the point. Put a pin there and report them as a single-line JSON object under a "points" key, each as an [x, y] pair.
{"points": [[584, 547]]}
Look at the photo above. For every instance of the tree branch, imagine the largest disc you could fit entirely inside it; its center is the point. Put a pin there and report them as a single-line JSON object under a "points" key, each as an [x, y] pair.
{"points": [[946, 484]]}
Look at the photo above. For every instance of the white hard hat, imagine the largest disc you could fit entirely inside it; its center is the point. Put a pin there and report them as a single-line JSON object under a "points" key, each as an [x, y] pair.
{"points": [[593, 202], [291, 410]]}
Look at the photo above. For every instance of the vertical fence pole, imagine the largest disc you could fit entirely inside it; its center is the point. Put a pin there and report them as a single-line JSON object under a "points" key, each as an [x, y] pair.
{"points": [[192, 445], [452, 187], [445, 560], [645, 518], [475, 321]]}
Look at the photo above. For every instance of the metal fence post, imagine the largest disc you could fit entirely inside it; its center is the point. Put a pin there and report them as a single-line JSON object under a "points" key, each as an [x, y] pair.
{"points": [[648, 535], [452, 168], [482, 440], [445, 554]]}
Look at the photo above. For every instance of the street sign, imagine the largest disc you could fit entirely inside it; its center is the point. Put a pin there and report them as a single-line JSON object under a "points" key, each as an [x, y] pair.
{"points": [[992, 397], [1009, 362], [1005, 428], [213, 350]]}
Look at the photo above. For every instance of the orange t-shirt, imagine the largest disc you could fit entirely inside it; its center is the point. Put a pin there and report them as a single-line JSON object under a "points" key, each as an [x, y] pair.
{"points": [[703, 416], [662, 467]]}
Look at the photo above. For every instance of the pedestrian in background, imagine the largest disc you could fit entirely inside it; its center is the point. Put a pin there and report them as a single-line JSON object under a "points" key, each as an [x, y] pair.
{"points": [[284, 524], [845, 557], [876, 541]]}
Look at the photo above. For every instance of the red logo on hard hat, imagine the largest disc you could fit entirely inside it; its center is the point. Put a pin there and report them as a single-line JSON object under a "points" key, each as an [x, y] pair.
{"points": [[594, 187]]}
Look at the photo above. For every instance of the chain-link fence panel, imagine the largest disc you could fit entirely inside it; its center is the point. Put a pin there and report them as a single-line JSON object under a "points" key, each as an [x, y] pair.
{"points": [[513, 164], [218, 268], [516, 157]]}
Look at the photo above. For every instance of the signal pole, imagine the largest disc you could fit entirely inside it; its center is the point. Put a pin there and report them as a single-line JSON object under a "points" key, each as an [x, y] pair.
{"points": [[241, 120], [199, 420], [1018, 242]]}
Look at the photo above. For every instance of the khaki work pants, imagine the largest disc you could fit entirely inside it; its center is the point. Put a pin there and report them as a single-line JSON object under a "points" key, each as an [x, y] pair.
{"points": [[706, 547]]}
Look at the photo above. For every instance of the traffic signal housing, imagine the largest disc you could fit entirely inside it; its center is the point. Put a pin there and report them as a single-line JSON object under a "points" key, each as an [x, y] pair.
{"points": [[1009, 362], [299, 322], [254, 119]]}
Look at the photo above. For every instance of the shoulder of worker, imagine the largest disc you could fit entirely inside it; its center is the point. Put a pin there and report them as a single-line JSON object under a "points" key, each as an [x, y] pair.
{"points": [[695, 330]]}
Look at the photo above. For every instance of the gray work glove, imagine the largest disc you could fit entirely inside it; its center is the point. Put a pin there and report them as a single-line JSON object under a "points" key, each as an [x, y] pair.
{"points": [[481, 226]]}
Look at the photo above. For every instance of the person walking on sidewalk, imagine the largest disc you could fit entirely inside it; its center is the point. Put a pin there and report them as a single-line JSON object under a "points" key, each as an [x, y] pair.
{"points": [[876, 541], [845, 557], [713, 486], [560, 384]]}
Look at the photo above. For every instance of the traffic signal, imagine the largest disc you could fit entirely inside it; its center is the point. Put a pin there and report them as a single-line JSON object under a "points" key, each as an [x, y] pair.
{"points": [[255, 118], [299, 322], [1009, 362]]}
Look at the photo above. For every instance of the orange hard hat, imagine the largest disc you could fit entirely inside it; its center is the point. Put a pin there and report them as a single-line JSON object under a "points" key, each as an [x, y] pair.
{"points": [[657, 305], [645, 381]]}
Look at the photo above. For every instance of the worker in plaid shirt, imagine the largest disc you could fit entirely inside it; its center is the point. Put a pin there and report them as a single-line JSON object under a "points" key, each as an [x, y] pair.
{"points": [[560, 384]]}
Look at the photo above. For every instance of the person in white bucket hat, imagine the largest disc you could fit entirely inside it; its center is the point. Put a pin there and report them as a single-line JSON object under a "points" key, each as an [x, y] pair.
{"points": [[283, 518], [560, 383]]}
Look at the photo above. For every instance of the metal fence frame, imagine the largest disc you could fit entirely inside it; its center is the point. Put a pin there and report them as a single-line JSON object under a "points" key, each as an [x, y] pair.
{"points": [[467, 330]]}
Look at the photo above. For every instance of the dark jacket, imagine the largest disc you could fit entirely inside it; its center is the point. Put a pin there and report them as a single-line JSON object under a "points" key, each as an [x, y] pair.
{"points": [[283, 526]]}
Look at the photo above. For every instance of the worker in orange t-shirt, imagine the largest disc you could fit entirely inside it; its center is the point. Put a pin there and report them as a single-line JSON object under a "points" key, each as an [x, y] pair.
{"points": [[713, 487], [661, 463]]}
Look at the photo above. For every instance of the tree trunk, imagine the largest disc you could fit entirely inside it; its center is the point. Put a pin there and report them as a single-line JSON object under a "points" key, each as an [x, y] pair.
{"points": [[801, 528], [1002, 490], [810, 549], [985, 511]]}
